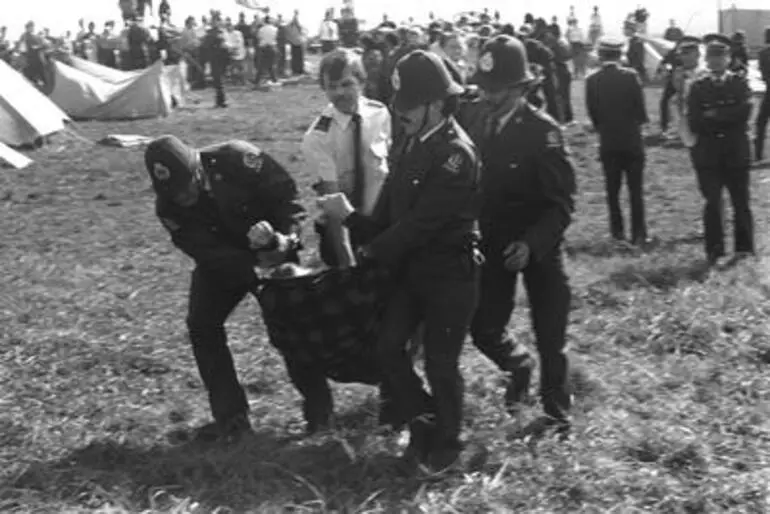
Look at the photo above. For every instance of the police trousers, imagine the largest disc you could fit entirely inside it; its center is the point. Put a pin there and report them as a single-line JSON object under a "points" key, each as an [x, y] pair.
{"points": [[218, 70], [665, 100], [616, 165], [549, 304], [761, 124], [445, 305], [210, 305], [723, 163]]}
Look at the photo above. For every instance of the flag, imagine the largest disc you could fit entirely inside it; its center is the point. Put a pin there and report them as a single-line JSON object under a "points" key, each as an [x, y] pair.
{"points": [[249, 4]]}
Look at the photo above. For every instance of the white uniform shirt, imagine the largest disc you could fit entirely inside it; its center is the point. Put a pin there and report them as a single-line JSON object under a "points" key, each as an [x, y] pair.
{"points": [[267, 35], [329, 31], [329, 152]]}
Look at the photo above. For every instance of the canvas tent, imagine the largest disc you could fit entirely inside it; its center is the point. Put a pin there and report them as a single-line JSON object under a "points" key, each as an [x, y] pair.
{"points": [[89, 91], [25, 113]]}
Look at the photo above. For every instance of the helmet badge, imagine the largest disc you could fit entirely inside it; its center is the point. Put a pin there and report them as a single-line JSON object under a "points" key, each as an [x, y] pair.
{"points": [[487, 62], [161, 171], [395, 80]]}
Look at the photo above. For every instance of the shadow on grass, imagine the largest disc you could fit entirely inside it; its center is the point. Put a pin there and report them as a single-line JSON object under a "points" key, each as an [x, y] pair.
{"points": [[264, 472], [664, 278], [611, 248]]}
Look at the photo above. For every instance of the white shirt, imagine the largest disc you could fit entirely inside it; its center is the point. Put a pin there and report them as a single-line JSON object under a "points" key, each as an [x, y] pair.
{"points": [[329, 31], [267, 35], [575, 34], [238, 44], [327, 148]]}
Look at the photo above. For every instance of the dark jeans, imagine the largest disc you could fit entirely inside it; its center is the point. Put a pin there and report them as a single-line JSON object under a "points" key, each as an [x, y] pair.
{"points": [[549, 303], [665, 99], [266, 60], [616, 165], [761, 124], [297, 60]]}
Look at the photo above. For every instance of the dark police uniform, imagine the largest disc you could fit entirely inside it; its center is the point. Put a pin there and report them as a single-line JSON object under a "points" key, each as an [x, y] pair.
{"points": [[217, 54], [240, 186], [669, 63], [764, 110], [424, 228], [528, 185], [615, 104], [718, 112]]}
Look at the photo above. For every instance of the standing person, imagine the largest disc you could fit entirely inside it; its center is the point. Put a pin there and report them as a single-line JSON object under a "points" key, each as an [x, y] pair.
{"points": [[229, 207], [673, 32], [561, 57], [329, 33], [216, 50], [280, 43], [635, 52], [267, 37], [764, 110], [423, 228], [576, 40], [295, 35], [347, 148], [615, 104], [718, 111], [684, 74], [595, 27], [739, 53], [32, 47], [249, 71], [528, 185], [543, 60]]}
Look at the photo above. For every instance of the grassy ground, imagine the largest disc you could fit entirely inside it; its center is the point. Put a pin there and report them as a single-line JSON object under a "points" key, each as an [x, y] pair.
{"points": [[673, 412]]}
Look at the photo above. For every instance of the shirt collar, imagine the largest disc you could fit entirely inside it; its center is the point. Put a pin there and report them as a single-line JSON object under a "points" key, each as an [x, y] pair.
{"points": [[342, 118], [432, 131]]}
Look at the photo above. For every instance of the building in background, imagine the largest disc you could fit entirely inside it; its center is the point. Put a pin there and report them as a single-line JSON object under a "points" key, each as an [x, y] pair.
{"points": [[752, 21]]}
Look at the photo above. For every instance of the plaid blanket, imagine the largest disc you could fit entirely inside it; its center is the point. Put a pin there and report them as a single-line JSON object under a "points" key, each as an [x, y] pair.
{"points": [[330, 318]]}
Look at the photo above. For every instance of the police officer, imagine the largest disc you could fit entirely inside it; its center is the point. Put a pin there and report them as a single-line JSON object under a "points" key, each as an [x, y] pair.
{"points": [[719, 107], [764, 110], [615, 104], [668, 66], [739, 54], [424, 229], [230, 207], [217, 54], [528, 185], [347, 147]]}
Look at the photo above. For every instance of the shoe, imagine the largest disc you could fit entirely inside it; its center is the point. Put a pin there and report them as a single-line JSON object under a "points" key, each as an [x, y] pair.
{"points": [[227, 430], [517, 390]]}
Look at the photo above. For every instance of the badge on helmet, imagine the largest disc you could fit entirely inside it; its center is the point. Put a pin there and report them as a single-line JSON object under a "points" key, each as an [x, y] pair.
{"points": [[487, 62], [395, 80], [161, 171], [252, 161]]}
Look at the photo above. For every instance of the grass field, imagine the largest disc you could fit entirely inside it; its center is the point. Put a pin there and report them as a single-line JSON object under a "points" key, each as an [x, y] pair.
{"points": [[97, 377]]}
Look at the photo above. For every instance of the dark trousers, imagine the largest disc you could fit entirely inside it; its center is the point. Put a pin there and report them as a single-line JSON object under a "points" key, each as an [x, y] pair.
{"points": [[218, 70], [549, 98], [549, 303], [297, 60], [328, 46], [761, 124], [266, 63], [280, 59], [616, 165], [724, 164], [209, 307], [445, 306], [564, 83], [665, 100]]}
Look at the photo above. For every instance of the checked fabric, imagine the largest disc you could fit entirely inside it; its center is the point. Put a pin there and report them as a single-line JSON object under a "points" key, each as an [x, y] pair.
{"points": [[329, 318]]}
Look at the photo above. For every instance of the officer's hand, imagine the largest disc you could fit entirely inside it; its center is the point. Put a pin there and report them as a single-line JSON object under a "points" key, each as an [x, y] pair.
{"points": [[335, 206], [516, 256], [261, 235]]}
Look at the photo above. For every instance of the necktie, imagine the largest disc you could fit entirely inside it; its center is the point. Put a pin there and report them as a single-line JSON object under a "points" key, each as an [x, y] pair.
{"points": [[358, 164]]}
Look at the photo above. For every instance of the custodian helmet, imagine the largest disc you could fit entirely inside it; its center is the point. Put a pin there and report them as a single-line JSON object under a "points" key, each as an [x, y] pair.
{"points": [[503, 63], [422, 77]]}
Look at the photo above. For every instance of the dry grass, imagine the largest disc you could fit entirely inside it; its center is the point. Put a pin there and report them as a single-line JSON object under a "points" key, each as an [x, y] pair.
{"points": [[674, 401]]}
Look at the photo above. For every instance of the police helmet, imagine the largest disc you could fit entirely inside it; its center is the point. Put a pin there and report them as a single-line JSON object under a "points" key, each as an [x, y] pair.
{"points": [[503, 63], [422, 77]]}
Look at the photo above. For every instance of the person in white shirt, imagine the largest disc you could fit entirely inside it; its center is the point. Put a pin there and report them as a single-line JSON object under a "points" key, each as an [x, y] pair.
{"points": [[347, 148], [329, 34], [238, 52], [684, 76], [576, 40], [595, 28], [267, 37]]}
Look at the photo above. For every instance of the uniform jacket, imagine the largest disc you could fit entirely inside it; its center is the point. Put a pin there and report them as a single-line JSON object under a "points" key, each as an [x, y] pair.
{"points": [[246, 186], [528, 184], [615, 104], [728, 98], [430, 201]]}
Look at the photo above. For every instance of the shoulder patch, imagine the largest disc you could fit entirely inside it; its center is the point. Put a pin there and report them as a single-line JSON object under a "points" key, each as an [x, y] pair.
{"points": [[554, 139], [323, 124], [170, 224]]}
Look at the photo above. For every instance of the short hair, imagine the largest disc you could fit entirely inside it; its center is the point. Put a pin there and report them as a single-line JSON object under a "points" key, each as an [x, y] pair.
{"points": [[336, 62]]}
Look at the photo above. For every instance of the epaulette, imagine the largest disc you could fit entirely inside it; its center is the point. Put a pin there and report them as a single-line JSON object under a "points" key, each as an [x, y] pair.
{"points": [[374, 104], [323, 124]]}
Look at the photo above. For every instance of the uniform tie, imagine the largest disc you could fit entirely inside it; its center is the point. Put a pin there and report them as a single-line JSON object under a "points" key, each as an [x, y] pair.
{"points": [[358, 164]]}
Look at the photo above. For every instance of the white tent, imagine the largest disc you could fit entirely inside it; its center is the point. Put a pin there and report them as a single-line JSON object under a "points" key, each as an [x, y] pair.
{"points": [[98, 93], [26, 114]]}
